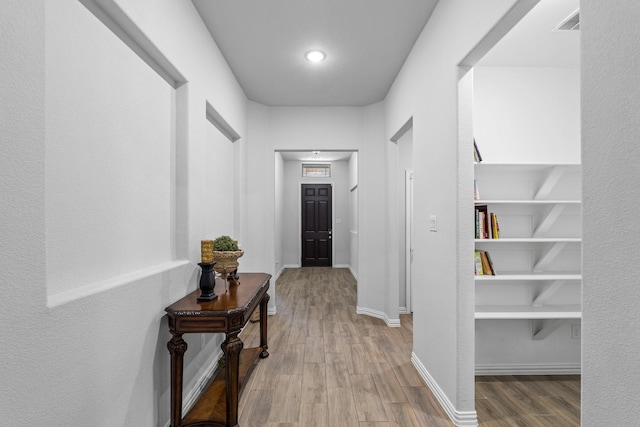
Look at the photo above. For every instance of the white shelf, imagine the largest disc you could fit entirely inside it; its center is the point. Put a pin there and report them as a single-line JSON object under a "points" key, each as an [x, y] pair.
{"points": [[540, 203], [524, 167], [528, 312], [526, 202], [506, 240], [528, 276]]}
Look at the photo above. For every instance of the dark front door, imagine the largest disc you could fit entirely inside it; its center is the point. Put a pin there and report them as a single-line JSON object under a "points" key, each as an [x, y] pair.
{"points": [[316, 225]]}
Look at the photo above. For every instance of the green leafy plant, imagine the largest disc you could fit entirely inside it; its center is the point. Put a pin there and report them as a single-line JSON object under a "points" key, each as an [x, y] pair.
{"points": [[225, 244]]}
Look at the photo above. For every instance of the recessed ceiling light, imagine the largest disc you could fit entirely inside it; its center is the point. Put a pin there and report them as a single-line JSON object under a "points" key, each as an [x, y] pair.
{"points": [[315, 56]]}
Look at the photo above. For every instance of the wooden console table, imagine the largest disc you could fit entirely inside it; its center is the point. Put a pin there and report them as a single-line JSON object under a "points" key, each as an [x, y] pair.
{"points": [[218, 404]]}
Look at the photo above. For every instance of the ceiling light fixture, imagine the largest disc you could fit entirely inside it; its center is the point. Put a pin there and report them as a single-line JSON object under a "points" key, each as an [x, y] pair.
{"points": [[315, 56]]}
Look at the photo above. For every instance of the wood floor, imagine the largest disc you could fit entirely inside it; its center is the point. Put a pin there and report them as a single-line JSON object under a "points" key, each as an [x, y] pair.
{"points": [[330, 367]]}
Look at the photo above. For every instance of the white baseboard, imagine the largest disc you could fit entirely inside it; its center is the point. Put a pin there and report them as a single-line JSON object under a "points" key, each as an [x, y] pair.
{"points": [[529, 369], [291, 266], [392, 323], [277, 275], [459, 418], [403, 310], [353, 273]]}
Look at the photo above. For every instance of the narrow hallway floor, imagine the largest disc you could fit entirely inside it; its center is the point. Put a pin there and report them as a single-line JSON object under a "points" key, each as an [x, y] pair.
{"points": [[331, 367]]}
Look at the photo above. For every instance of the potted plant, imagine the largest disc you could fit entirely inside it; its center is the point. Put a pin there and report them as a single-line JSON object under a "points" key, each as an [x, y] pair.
{"points": [[226, 253]]}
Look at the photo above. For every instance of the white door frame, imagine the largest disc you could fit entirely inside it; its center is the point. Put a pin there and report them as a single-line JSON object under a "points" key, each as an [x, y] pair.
{"points": [[408, 228]]}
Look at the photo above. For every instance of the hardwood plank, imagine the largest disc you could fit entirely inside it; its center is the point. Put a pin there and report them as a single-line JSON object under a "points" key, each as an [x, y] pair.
{"points": [[314, 383], [255, 408], [401, 415], [368, 403], [336, 371], [293, 360], [386, 382], [426, 407], [314, 350], [285, 403], [314, 415], [342, 408], [404, 370], [357, 359]]}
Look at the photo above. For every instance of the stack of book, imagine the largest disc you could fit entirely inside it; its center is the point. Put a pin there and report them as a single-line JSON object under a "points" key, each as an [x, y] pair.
{"points": [[483, 264], [487, 226]]}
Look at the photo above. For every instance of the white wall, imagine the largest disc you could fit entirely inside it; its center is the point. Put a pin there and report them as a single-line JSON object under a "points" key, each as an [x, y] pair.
{"points": [[610, 156], [107, 187], [377, 295], [97, 355], [219, 184], [426, 89], [291, 211], [527, 115]]}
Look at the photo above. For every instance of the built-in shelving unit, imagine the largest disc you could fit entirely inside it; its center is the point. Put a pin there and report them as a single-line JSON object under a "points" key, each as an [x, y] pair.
{"points": [[536, 259]]}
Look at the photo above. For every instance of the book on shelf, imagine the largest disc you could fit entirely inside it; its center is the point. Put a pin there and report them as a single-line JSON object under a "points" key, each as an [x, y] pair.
{"points": [[482, 222], [483, 264], [495, 228], [476, 190], [476, 153], [490, 262], [477, 271], [487, 226]]}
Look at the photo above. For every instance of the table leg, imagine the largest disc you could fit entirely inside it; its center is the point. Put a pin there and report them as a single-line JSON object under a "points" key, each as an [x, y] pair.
{"points": [[263, 326], [231, 347], [177, 347]]}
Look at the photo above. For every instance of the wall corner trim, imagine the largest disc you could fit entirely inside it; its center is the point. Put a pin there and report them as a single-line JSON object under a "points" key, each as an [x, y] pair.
{"points": [[220, 123], [459, 418], [392, 323], [126, 30], [61, 298]]}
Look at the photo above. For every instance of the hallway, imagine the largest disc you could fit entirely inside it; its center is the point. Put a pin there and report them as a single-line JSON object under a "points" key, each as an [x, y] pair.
{"points": [[330, 367]]}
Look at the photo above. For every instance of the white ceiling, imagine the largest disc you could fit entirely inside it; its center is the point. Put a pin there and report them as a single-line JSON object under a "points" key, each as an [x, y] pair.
{"points": [[366, 42]]}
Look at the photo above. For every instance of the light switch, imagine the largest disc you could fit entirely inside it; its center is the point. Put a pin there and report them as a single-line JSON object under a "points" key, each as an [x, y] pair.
{"points": [[433, 223]]}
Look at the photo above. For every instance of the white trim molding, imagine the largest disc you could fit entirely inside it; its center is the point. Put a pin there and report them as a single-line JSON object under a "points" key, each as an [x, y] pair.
{"points": [[392, 323], [459, 418], [341, 266], [529, 369], [291, 266], [90, 289], [353, 272]]}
